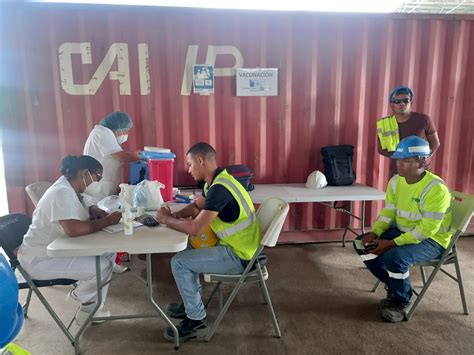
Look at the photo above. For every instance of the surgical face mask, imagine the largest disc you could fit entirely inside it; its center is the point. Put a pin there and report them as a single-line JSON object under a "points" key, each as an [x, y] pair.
{"points": [[93, 189], [122, 138]]}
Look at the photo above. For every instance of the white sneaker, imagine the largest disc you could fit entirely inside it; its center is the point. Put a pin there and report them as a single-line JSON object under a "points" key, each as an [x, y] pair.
{"points": [[81, 315], [120, 269]]}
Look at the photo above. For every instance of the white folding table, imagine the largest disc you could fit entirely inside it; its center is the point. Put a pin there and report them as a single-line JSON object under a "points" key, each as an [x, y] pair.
{"points": [[298, 193], [144, 240]]}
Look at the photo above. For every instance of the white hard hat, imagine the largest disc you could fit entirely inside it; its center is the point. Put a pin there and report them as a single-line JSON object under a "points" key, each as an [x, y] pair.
{"points": [[316, 180]]}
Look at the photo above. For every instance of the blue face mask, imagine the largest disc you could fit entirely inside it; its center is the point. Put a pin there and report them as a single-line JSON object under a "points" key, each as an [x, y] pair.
{"points": [[122, 138]]}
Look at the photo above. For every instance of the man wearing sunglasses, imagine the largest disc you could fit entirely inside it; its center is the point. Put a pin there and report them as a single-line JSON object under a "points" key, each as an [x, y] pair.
{"points": [[403, 123]]}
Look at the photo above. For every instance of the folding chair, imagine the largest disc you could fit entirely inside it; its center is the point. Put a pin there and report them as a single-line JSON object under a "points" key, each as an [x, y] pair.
{"points": [[271, 216], [12, 229], [462, 209], [36, 190]]}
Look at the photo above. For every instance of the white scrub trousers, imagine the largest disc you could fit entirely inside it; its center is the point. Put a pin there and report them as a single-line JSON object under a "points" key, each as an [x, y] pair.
{"points": [[81, 268]]}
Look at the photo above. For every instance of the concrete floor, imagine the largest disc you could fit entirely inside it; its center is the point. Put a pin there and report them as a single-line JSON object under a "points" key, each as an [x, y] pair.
{"points": [[321, 297]]}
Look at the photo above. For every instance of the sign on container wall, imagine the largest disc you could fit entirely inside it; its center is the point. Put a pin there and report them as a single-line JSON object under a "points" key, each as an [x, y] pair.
{"points": [[257, 82], [203, 79]]}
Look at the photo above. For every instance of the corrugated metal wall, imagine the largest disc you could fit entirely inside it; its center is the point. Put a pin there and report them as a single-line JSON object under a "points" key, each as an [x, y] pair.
{"points": [[335, 73]]}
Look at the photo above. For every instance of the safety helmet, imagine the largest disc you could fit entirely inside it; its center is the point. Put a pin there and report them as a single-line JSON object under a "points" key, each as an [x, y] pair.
{"points": [[412, 146], [205, 240], [11, 312], [316, 180], [401, 90]]}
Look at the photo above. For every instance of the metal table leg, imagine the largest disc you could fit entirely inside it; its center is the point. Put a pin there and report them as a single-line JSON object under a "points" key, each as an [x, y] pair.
{"points": [[77, 348], [155, 305]]}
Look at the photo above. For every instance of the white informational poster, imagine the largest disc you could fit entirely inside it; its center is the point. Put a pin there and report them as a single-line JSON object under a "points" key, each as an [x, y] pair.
{"points": [[203, 78], [257, 81]]}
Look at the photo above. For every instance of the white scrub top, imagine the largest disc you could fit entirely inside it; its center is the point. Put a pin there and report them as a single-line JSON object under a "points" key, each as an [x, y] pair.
{"points": [[59, 202], [101, 144]]}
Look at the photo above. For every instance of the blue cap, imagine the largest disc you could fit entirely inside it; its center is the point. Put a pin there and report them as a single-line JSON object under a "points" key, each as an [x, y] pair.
{"points": [[401, 90], [412, 146], [11, 312]]}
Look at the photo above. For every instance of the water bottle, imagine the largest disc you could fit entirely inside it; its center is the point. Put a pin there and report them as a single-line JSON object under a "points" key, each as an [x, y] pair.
{"points": [[127, 217]]}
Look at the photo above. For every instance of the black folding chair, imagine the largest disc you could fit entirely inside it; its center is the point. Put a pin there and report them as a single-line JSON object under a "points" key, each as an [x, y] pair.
{"points": [[12, 229]]}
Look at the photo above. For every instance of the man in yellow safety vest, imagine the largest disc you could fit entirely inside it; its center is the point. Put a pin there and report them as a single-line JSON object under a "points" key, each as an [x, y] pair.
{"points": [[414, 226], [403, 123], [227, 208]]}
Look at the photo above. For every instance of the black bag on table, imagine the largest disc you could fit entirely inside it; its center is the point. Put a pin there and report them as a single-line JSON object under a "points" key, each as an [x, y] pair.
{"points": [[242, 174], [338, 168]]}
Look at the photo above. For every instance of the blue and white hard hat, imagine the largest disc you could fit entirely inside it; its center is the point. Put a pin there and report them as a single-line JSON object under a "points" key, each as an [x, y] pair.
{"points": [[412, 146], [401, 90], [11, 312]]}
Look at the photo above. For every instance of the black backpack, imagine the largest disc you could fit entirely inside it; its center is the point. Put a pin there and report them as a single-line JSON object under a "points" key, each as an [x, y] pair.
{"points": [[338, 168], [242, 174]]}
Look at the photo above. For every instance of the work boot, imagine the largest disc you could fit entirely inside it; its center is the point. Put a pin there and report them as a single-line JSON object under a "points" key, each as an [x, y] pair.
{"points": [[396, 312], [176, 310], [188, 329], [388, 300]]}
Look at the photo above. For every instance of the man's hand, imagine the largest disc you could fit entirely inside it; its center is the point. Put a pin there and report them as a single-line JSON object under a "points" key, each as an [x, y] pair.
{"points": [[382, 246], [369, 238], [163, 214], [96, 213]]}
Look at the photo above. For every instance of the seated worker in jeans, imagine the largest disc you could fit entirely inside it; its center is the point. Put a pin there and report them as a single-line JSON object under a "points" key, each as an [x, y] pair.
{"points": [[225, 206], [414, 226]]}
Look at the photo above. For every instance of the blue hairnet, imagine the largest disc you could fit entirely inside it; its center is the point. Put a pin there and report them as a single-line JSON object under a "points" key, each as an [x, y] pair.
{"points": [[117, 121], [401, 90]]}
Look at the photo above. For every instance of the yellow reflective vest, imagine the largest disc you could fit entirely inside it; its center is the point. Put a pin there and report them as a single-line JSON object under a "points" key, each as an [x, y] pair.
{"points": [[421, 210], [242, 235], [387, 130]]}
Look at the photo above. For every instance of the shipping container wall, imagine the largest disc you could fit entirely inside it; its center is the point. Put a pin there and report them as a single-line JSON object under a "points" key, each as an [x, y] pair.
{"points": [[66, 67]]}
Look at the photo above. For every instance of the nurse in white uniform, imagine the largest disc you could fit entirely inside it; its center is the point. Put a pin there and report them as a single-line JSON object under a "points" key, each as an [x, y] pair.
{"points": [[61, 212], [104, 144]]}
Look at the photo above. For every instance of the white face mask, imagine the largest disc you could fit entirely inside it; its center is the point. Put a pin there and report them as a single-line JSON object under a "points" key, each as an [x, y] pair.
{"points": [[93, 189], [122, 138]]}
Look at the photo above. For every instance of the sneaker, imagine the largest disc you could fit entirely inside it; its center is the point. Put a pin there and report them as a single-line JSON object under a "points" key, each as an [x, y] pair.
{"points": [[395, 313], [176, 310], [188, 329], [81, 315], [120, 269]]}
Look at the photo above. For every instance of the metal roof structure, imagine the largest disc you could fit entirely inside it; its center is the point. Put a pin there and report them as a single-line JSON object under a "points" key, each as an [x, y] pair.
{"points": [[444, 7]]}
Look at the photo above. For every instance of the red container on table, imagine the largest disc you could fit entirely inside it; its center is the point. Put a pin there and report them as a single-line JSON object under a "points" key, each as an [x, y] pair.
{"points": [[162, 170]]}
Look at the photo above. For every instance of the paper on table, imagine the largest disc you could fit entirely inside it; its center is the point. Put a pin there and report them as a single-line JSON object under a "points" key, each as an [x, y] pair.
{"points": [[119, 227]]}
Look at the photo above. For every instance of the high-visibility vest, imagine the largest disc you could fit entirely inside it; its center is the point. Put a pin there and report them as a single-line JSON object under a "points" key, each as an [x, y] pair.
{"points": [[421, 210], [242, 235], [387, 130]]}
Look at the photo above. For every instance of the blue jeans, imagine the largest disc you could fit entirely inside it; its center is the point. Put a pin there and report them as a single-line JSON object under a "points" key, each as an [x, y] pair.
{"points": [[392, 266], [188, 264]]}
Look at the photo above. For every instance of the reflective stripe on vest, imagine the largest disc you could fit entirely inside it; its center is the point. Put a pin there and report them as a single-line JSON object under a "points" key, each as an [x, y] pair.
{"points": [[390, 206], [242, 225], [426, 189], [399, 275], [384, 219]]}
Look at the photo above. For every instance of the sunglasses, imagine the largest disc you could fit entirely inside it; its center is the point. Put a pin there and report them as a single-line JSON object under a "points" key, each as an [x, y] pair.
{"points": [[399, 101]]}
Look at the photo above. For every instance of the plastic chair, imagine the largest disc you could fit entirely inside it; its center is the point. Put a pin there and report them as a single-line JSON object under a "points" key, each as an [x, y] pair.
{"points": [[271, 216], [36, 190], [12, 229], [462, 209]]}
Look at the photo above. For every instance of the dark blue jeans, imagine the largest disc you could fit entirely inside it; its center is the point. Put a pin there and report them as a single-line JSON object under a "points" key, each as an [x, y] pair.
{"points": [[392, 266]]}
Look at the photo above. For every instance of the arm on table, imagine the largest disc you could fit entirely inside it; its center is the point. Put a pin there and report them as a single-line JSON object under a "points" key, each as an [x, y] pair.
{"points": [[76, 228]]}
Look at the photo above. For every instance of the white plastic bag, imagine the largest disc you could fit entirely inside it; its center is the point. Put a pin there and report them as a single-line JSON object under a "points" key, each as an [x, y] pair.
{"points": [[148, 190], [154, 198], [110, 204], [126, 193]]}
